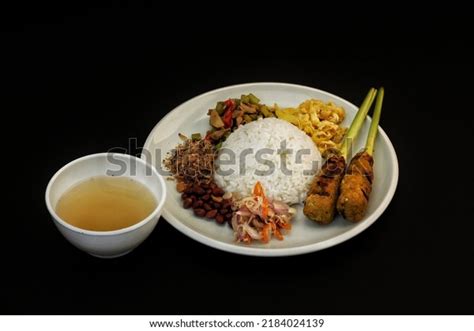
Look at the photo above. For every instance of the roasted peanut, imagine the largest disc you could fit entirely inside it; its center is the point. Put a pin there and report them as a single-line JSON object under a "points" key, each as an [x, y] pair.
{"points": [[187, 203], [218, 192], [220, 219], [226, 204], [181, 187], [216, 199], [188, 190], [199, 212], [211, 213], [198, 189], [198, 203], [223, 211]]}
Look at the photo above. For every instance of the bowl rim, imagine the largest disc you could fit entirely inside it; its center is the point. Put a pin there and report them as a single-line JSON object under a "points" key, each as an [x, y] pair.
{"points": [[281, 251], [151, 216]]}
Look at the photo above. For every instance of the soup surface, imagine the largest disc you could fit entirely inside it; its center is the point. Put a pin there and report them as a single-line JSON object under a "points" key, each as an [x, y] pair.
{"points": [[106, 203]]}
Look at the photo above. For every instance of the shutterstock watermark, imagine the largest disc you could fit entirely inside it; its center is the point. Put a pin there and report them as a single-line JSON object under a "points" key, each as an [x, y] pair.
{"points": [[261, 161]]}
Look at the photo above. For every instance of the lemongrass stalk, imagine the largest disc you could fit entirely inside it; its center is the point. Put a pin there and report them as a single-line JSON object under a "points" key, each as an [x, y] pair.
{"points": [[374, 126], [357, 122]]}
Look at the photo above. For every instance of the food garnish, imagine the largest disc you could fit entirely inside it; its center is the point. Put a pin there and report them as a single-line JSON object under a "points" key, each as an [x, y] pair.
{"points": [[192, 161], [321, 121], [258, 218]]}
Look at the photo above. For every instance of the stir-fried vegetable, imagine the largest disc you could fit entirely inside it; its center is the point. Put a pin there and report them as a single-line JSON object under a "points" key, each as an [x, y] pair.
{"points": [[215, 120], [229, 109], [228, 115]]}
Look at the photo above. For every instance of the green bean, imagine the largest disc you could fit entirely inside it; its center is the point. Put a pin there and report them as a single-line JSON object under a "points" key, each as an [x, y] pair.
{"points": [[253, 99], [265, 111], [247, 118], [196, 136], [220, 108], [244, 98]]}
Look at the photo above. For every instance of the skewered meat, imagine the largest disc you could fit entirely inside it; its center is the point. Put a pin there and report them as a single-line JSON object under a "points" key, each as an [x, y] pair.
{"points": [[356, 187], [322, 196]]}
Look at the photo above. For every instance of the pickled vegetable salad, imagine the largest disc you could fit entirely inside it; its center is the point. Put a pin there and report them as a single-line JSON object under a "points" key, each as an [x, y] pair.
{"points": [[258, 218]]}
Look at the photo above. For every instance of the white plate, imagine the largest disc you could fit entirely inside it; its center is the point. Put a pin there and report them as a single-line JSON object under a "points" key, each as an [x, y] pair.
{"points": [[305, 236]]}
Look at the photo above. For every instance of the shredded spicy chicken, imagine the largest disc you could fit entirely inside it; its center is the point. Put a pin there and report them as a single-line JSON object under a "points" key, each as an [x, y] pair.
{"points": [[258, 218]]}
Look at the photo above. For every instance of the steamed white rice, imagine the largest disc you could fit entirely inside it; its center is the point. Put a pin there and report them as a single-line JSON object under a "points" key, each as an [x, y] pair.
{"points": [[240, 175]]}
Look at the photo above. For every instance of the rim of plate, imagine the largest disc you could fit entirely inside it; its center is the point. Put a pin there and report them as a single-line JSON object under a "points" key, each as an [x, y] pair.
{"points": [[269, 252]]}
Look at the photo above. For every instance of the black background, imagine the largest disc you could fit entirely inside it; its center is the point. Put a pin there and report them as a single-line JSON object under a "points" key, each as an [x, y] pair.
{"points": [[88, 79]]}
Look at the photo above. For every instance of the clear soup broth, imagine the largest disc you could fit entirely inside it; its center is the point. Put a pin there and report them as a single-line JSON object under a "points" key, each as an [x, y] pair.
{"points": [[106, 203]]}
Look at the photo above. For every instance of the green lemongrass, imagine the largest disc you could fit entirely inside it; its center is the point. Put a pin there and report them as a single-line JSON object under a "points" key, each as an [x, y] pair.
{"points": [[357, 122], [374, 126]]}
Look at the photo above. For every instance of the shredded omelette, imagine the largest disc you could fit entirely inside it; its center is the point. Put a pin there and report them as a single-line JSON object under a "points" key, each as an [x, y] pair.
{"points": [[321, 121]]}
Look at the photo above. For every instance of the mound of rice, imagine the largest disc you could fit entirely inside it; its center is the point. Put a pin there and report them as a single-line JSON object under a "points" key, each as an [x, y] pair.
{"points": [[258, 145]]}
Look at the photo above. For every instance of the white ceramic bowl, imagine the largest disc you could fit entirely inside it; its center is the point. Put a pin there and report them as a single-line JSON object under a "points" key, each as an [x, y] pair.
{"points": [[305, 236], [106, 244]]}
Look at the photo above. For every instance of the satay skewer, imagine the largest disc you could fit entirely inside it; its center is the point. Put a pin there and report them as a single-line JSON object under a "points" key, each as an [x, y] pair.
{"points": [[320, 204], [357, 183]]}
